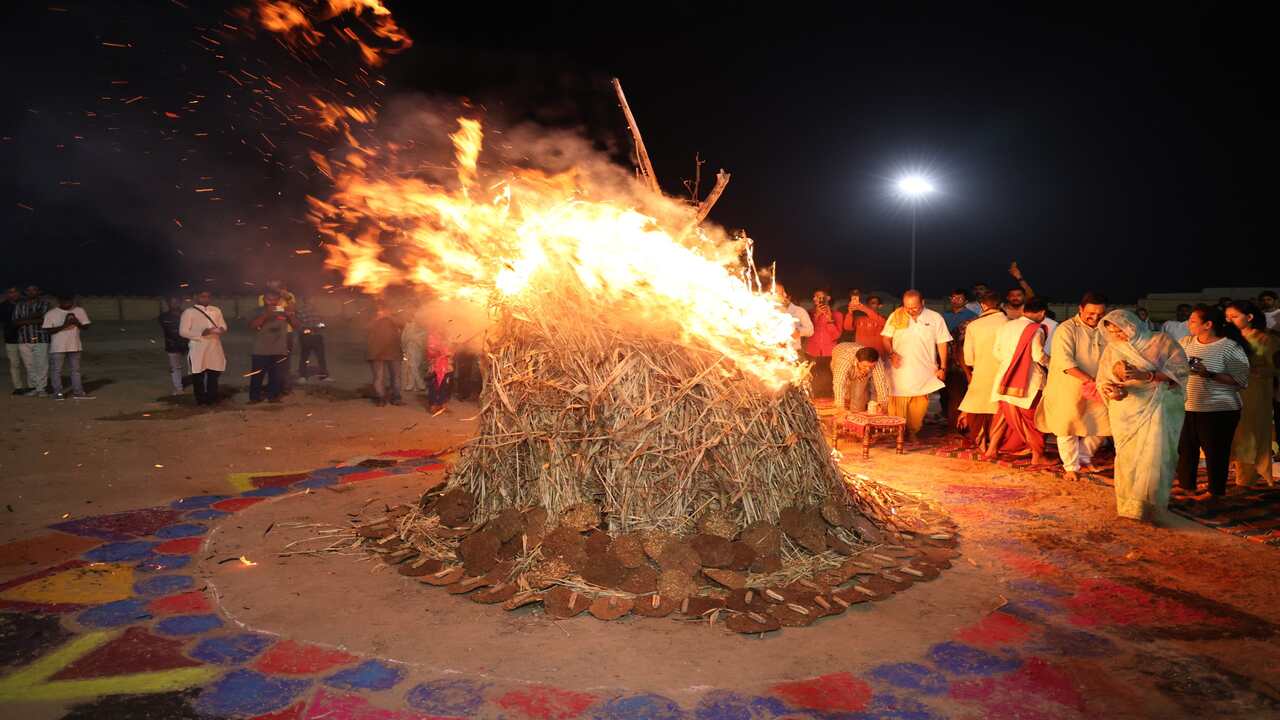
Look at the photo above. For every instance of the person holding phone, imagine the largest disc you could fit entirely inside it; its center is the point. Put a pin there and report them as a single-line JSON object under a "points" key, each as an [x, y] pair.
{"points": [[863, 319], [64, 323], [273, 326], [1219, 371], [827, 325]]}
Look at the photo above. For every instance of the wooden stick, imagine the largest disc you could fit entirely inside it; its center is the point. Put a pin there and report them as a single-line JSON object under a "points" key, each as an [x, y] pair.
{"points": [[642, 155], [722, 179]]}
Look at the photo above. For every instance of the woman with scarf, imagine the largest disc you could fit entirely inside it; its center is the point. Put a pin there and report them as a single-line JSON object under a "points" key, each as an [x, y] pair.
{"points": [[1141, 376]]}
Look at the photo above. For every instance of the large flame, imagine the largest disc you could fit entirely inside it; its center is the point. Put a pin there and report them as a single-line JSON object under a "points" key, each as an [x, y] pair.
{"points": [[525, 240], [293, 21], [531, 236]]}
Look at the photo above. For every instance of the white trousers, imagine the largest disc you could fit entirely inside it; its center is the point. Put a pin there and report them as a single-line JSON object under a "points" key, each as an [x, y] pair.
{"points": [[16, 374], [1076, 451], [35, 358]]}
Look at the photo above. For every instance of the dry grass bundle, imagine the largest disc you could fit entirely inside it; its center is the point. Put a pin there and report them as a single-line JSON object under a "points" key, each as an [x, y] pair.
{"points": [[654, 432]]}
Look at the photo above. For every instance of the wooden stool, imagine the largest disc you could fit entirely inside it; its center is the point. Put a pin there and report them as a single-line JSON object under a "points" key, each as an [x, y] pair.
{"points": [[828, 414], [869, 426]]}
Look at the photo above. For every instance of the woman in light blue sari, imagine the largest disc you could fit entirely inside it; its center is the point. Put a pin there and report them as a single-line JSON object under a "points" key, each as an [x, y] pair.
{"points": [[1142, 376]]}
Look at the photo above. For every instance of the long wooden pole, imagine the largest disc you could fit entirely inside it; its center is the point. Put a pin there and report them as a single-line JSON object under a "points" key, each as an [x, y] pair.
{"points": [[642, 155]]}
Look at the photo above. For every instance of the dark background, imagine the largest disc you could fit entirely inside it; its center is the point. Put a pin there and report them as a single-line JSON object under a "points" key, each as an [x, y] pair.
{"points": [[1107, 148]]}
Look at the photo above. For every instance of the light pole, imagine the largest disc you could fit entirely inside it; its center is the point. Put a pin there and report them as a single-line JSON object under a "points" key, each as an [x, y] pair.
{"points": [[914, 189]]}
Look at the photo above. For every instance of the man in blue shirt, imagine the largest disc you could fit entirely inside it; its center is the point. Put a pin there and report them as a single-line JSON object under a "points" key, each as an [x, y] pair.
{"points": [[960, 312]]}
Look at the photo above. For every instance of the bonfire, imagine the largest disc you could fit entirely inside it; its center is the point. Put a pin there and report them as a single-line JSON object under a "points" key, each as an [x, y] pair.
{"points": [[646, 440]]}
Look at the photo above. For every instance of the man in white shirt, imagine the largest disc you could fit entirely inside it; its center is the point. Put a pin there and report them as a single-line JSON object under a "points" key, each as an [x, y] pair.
{"points": [[1177, 329], [803, 325], [204, 326], [916, 339], [1019, 352], [64, 323]]}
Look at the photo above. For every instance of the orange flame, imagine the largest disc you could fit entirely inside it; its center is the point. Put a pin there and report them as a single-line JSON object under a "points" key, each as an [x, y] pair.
{"points": [[291, 21], [532, 240]]}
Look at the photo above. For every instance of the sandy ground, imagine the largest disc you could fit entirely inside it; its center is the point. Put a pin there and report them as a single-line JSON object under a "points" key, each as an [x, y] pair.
{"points": [[76, 458], [1020, 529]]}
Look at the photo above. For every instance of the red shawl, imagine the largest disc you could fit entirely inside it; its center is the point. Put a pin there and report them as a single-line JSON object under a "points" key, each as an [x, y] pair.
{"points": [[1018, 377]]}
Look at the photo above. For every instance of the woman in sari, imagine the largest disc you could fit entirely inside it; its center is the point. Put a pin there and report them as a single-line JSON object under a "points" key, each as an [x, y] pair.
{"points": [[1142, 375], [1251, 448]]}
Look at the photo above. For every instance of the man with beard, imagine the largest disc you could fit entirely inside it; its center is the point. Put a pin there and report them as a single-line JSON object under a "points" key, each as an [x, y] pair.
{"points": [[1072, 408], [1016, 297]]}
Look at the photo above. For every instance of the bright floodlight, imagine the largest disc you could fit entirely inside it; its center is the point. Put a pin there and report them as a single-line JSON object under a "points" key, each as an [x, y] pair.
{"points": [[914, 186]]}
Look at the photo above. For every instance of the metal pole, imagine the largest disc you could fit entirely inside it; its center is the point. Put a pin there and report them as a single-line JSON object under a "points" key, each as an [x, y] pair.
{"points": [[913, 247]]}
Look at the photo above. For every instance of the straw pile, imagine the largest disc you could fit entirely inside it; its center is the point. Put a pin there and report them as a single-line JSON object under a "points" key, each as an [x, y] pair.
{"points": [[654, 433], [619, 470]]}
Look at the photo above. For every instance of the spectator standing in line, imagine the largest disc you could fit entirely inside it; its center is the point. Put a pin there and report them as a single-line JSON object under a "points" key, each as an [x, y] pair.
{"points": [[290, 303], [803, 326], [203, 326], [414, 340], [311, 329], [957, 380], [17, 375], [439, 381], [1270, 308], [270, 348], [64, 324], [175, 346], [865, 321], [1251, 447], [827, 325], [385, 353], [1177, 328], [1145, 317], [33, 340]]}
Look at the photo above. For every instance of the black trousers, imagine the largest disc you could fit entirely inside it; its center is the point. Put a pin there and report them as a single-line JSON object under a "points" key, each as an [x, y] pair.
{"points": [[311, 344], [205, 385], [820, 377], [953, 394], [1213, 432], [268, 370]]}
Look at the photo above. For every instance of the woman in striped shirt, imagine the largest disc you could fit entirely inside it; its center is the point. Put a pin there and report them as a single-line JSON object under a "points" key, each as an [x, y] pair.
{"points": [[1219, 371]]}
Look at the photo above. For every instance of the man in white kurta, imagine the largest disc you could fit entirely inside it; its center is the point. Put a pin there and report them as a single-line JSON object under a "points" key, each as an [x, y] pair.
{"points": [[1072, 409], [203, 325], [979, 342], [916, 339]]}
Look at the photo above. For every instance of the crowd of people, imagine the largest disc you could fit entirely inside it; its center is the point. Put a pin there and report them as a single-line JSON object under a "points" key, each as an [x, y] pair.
{"points": [[1007, 375], [43, 336]]}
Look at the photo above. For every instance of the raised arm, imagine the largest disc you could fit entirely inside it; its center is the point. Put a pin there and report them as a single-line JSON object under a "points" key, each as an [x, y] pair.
{"points": [[1022, 281]]}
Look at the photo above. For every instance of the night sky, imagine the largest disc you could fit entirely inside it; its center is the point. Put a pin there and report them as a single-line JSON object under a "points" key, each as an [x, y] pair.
{"points": [[1127, 153]]}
